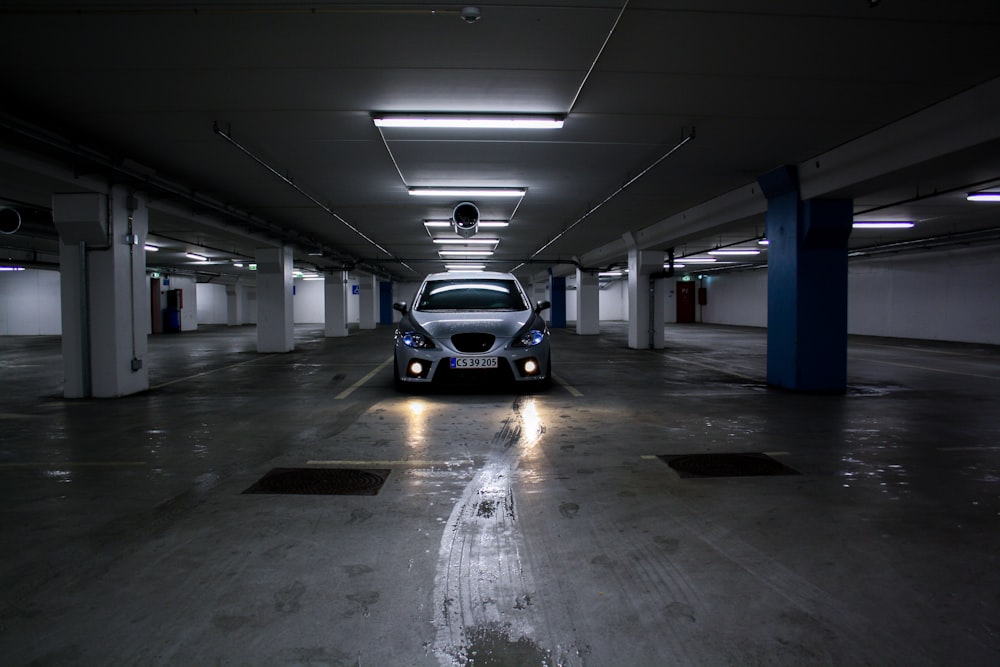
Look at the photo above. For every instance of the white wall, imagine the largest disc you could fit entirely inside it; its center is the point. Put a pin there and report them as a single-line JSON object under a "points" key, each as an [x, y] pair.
{"points": [[738, 298], [949, 295], [30, 303], [613, 301], [309, 302], [213, 307]]}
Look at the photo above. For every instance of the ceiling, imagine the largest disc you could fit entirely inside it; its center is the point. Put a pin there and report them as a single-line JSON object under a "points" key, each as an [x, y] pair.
{"points": [[250, 123]]}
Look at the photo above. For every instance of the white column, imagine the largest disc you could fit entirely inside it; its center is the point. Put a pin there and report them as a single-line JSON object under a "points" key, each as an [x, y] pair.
{"points": [[105, 300], [335, 304], [275, 324], [588, 303], [233, 305], [644, 305], [368, 311]]}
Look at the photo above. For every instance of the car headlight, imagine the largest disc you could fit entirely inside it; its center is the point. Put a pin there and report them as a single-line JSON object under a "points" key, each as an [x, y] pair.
{"points": [[530, 338], [416, 341]]}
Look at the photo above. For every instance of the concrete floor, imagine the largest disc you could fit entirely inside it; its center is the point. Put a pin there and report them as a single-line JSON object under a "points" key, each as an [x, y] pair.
{"points": [[536, 529]]}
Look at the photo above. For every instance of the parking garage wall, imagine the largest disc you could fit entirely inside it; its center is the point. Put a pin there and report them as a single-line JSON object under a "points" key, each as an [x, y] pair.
{"points": [[950, 295], [30, 303]]}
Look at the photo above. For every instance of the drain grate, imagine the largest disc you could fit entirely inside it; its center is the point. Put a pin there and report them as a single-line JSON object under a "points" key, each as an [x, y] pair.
{"points": [[321, 481], [726, 465]]}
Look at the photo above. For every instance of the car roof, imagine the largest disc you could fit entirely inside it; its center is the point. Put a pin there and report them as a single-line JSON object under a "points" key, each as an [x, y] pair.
{"points": [[470, 275]]}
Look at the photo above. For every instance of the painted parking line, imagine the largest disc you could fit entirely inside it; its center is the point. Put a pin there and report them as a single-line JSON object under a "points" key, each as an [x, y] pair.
{"points": [[71, 464], [576, 393], [398, 463], [209, 372], [347, 392]]}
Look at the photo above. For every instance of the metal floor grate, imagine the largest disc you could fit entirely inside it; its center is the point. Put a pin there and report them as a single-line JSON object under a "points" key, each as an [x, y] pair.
{"points": [[321, 481], [753, 464]]}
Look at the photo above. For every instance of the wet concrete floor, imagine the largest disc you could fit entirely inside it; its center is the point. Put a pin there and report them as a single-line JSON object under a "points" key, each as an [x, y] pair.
{"points": [[512, 529]]}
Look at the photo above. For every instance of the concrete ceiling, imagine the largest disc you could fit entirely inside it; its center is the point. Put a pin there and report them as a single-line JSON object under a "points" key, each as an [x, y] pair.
{"points": [[249, 123]]}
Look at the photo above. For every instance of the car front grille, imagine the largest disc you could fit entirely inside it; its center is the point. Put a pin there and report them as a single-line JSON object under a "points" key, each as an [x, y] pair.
{"points": [[473, 342]]}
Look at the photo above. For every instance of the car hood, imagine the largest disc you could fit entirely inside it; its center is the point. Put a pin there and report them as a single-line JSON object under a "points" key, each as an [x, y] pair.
{"points": [[445, 325]]}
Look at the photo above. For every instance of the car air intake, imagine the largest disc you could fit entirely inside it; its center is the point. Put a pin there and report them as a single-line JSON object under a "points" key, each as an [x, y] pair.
{"points": [[473, 342]]}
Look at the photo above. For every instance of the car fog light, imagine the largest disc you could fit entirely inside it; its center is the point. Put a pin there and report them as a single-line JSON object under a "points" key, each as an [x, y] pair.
{"points": [[530, 367], [416, 368]]}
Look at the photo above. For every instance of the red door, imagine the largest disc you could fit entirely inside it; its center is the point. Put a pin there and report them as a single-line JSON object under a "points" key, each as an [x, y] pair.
{"points": [[685, 301]]}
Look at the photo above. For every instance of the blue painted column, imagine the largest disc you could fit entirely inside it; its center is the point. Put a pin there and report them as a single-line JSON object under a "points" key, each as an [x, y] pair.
{"points": [[557, 296], [385, 302], [806, 286]]}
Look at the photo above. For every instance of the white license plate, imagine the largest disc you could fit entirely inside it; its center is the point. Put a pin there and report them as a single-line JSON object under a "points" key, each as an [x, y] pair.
{"points": [[474, 362]]}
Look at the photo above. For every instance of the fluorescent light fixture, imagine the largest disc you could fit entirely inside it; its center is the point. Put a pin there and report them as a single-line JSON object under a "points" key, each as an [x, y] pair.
{"points": [[983, 196], [469, 121], [699, 260], [467, 192], [238, 265], [194, 255], [676, 266], [735, 251], [763, 242], [465, 253], [610, 274], [475, 241], [483, 224], [11, 268], [883, 224], [465, 267], [312, 277], [150, 247]]}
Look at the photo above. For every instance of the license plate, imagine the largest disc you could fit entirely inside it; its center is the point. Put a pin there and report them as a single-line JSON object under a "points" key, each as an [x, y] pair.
{"points": [[474, 362]]}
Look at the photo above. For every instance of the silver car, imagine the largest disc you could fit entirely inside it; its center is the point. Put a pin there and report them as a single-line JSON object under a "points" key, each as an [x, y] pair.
{"points": [[472, 327]]}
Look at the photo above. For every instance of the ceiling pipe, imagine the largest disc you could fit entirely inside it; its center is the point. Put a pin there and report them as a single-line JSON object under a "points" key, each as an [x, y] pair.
{"points": [[259, 160], [257, 229]]}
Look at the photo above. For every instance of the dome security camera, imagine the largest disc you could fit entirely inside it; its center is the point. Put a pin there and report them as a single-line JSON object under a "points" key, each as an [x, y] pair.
{"points": [[470, 14], [465, 219]]}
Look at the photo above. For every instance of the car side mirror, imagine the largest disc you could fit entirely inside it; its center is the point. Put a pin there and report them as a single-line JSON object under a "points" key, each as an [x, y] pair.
{"points": [[401, 307], [542, 305]]}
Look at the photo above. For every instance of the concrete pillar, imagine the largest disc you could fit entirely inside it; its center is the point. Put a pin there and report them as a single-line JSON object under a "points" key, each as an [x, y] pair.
{"points": [[588, 303], [104, 295], [557, 296], [806, 286], [233, 306], [275, 315], [645, 299], [335, 304], [368, 304]]}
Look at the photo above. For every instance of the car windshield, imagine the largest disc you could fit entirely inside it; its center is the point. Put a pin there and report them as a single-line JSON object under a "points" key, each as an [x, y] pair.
{"points": [[465, 294]]}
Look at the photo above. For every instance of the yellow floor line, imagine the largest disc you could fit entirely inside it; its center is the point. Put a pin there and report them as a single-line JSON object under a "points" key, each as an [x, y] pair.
{"points": [[347, 392]]}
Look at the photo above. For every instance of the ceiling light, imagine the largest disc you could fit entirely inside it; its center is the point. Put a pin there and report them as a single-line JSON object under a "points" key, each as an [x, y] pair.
{"points": [[465, 267], [468, 192], [238, 265], [151, 248], [734, 251], [194, 255], [11, 268], [883, 224], [676, 266], [699, 260], [465, 253], [983, 196], [475, 241], [763, 242], [483, 224], [610, 274], [477, 121]]}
